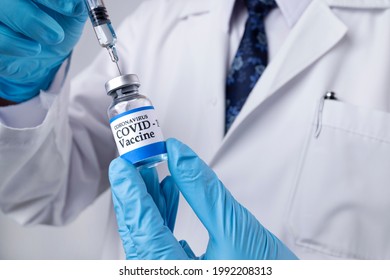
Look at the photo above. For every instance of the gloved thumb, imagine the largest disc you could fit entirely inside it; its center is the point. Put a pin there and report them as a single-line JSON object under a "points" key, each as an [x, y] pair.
{"points": [[234, 232]]}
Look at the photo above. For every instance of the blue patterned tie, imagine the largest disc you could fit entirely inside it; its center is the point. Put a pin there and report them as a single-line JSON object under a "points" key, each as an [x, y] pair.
{"points": [[250, 60]]}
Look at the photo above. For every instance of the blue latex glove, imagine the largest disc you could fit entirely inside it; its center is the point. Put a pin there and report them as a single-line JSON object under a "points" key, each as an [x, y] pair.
{"points": [[35, 38], [162, 199], [234, 233]]}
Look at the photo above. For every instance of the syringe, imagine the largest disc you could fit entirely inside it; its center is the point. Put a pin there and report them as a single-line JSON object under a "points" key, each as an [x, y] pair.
{"points": [[103, 28]]}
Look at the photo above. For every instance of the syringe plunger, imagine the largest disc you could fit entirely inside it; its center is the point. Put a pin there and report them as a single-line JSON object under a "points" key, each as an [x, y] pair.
{"points": [[99, 16]]}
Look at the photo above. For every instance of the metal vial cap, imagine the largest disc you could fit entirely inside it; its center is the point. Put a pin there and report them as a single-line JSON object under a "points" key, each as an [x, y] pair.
{"points": [[121, 82]]}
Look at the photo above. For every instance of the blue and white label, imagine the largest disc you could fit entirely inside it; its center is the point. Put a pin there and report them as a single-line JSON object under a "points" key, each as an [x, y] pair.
{"points": [[137, 134]]}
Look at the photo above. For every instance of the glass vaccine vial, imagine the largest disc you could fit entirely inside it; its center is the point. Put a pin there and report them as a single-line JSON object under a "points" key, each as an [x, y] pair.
{"points": [[134, 124]]}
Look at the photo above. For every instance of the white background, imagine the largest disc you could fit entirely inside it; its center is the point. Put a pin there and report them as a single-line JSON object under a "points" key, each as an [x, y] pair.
{"points": [[72, 241]]}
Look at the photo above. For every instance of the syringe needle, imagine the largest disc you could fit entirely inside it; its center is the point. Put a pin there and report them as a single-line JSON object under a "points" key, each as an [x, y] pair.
{"points": [[117, 66], [114, 57]]}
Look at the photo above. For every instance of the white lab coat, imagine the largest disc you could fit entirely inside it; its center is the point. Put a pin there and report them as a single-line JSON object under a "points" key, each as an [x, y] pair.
{"points": [[314, 173]]}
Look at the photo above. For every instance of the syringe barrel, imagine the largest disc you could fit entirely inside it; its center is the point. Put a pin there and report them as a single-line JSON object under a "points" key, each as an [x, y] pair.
{"points": [[102, 27], [105, 35]]}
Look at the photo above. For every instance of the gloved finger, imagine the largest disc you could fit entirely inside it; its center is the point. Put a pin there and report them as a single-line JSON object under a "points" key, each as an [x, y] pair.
{"points": [[165, 195], [130, 251], [186, 247], [171, 194], [201, 188], [150, 177], [27, 18], [64, 7], [21, 46], [151, 238]]}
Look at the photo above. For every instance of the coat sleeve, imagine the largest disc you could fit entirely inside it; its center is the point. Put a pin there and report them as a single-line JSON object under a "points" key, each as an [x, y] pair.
{"points": [[51, 172]]}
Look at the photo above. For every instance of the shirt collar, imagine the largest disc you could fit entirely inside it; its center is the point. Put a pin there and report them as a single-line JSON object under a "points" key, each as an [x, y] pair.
{"points": [[291, 9]]}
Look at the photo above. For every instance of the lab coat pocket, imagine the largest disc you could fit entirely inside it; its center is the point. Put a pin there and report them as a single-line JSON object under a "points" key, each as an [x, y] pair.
{"points": [[341, 202]]}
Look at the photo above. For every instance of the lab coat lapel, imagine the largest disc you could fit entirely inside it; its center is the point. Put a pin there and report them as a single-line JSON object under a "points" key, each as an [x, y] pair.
{"points": [[194, 7], [317, 31], [211, 52]]}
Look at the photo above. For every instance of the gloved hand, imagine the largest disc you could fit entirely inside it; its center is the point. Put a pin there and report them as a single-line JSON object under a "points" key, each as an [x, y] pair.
{"points": [[234, 233], [35, 38], [161, 198]]}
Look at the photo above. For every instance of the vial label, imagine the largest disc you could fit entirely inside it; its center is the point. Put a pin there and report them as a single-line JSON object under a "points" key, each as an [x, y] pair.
{"points": [[138, 134]]}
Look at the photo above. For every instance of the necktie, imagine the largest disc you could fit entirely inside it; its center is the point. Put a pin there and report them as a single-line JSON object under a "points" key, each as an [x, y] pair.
{"points": [[250, 60]]}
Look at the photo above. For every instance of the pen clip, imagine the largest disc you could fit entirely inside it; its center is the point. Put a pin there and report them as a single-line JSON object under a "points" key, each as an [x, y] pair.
{"points": [[329, 95]]}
